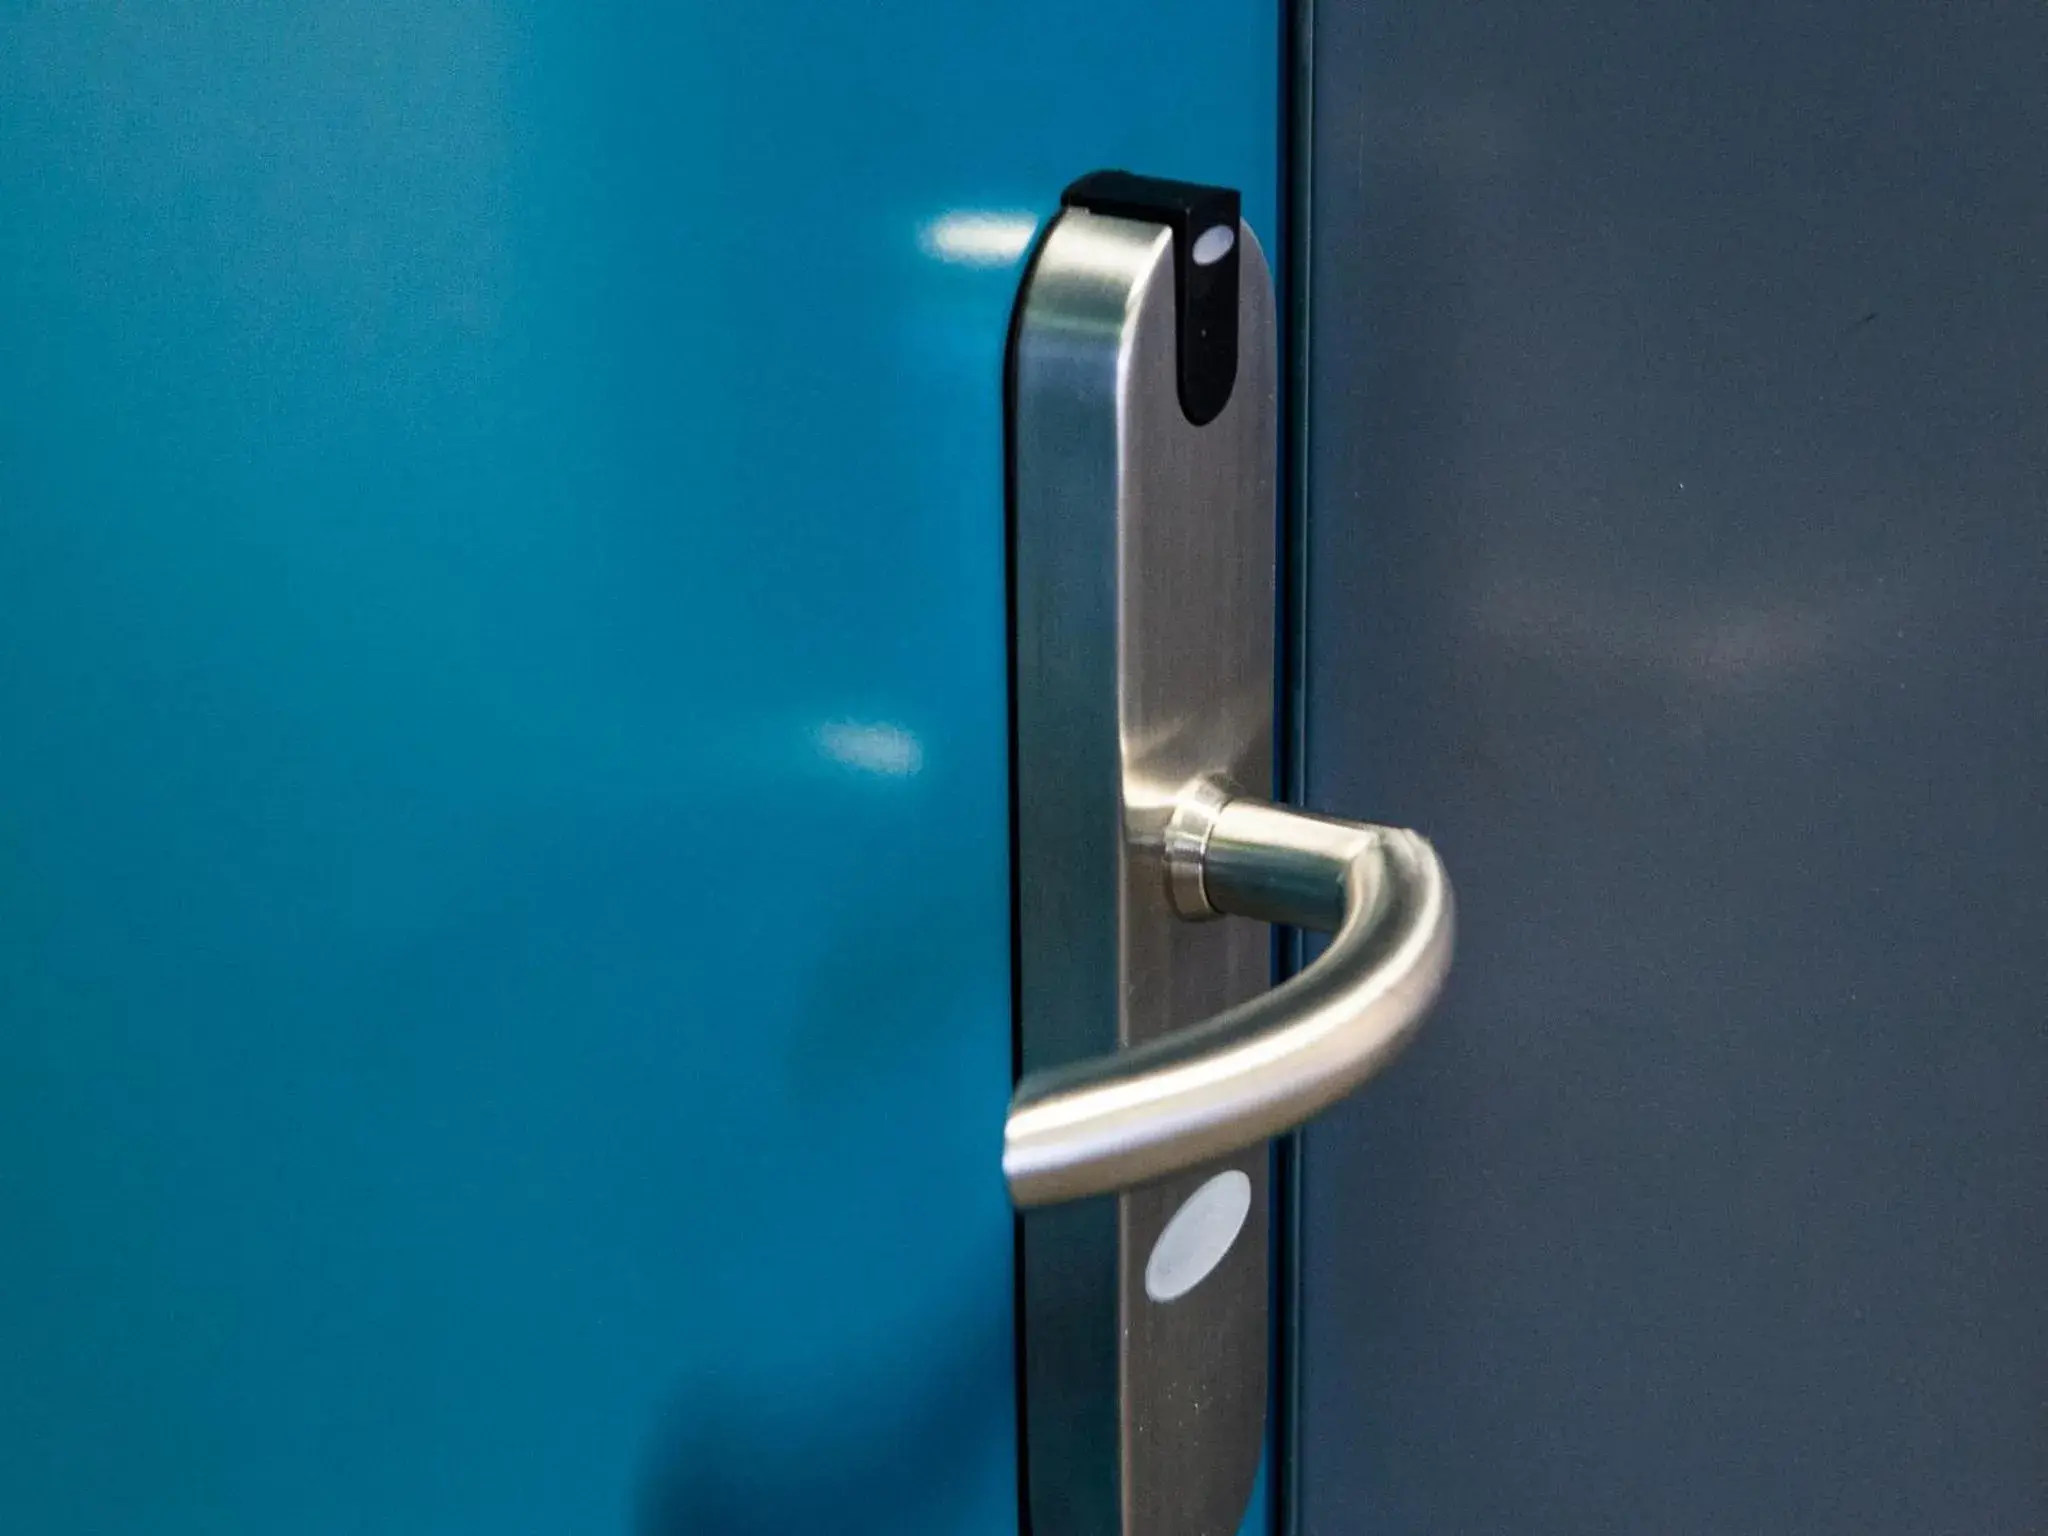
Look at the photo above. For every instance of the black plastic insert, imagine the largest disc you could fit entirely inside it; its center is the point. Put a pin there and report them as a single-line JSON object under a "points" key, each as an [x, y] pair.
{"points": [[1204, 273]]}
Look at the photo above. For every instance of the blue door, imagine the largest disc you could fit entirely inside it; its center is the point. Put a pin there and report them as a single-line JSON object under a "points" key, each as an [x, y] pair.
{"points": [[504, 937]]}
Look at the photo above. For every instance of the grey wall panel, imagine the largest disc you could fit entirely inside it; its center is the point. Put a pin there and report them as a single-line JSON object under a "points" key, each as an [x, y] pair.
{"points": [[1679, 560]]}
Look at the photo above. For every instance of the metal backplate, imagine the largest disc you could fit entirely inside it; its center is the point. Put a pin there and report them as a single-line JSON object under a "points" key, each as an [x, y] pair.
{"points": [[1143, 562]]}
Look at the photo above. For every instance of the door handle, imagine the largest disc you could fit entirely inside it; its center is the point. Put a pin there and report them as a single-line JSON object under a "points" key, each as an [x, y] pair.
{"points": [[1263, 1067], [1154, 1055]]}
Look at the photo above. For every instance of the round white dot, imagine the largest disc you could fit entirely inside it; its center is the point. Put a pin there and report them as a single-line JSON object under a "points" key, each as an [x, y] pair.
{"points": [[1213, 244], [1198, 1236]]}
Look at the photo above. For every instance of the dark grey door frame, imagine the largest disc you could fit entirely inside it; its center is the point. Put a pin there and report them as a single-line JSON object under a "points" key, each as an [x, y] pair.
{"points": [[1675, 484]]}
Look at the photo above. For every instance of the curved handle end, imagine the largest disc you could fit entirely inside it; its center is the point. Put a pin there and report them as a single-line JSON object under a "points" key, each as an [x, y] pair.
{"points": [[1262, 1068]]}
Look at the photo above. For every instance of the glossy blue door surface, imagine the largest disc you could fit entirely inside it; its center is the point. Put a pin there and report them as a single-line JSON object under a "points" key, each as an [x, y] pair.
{"points": [[504, 1015]]}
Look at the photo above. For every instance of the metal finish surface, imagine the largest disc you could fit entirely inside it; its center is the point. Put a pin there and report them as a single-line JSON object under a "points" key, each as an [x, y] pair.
{"points": [[487, 490], [1679, 561], [1143, 569], [1268, 1064]]}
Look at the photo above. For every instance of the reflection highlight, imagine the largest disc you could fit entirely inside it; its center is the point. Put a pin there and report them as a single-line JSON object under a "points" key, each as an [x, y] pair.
{"points": [[883, 749], [978, 237]]}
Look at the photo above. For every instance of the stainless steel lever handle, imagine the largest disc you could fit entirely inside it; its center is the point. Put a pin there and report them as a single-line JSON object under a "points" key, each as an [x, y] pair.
{"points": [[1263, 1067], [1156, 1057]]}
